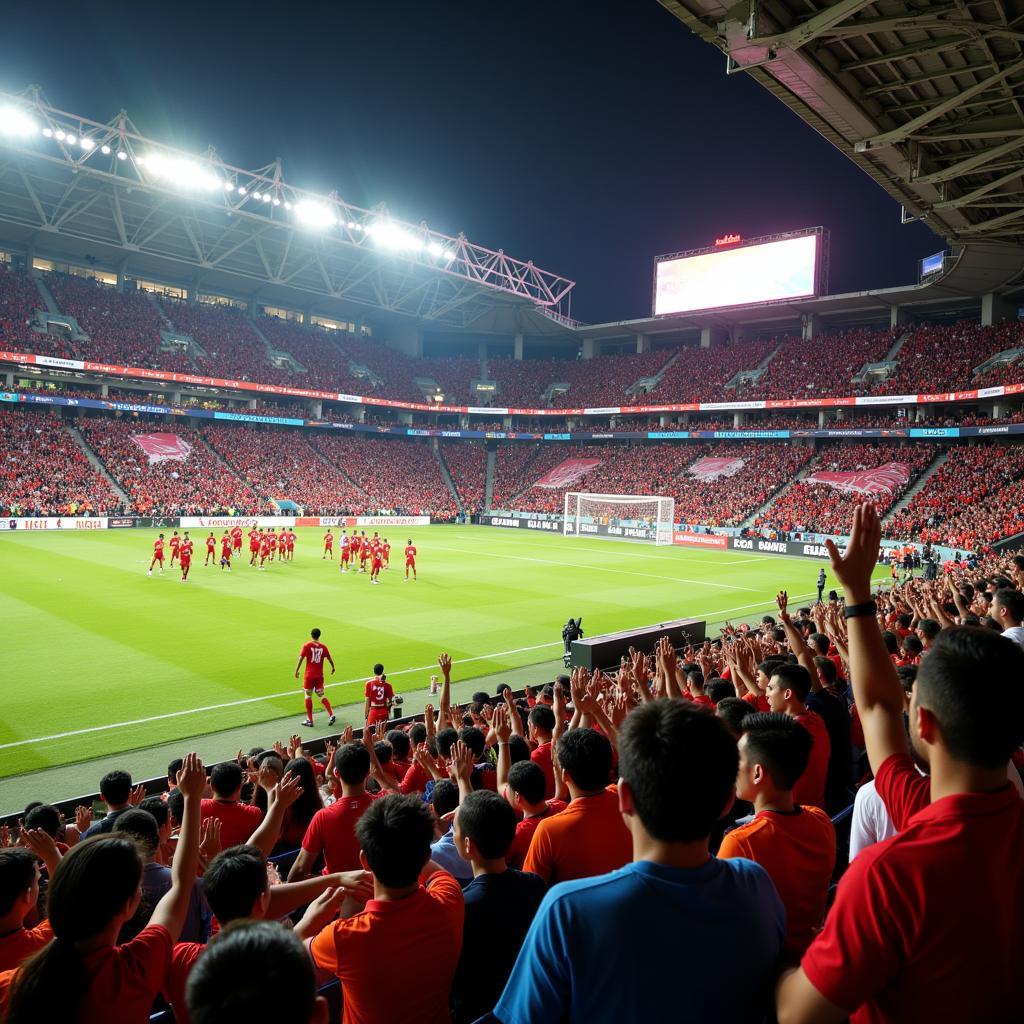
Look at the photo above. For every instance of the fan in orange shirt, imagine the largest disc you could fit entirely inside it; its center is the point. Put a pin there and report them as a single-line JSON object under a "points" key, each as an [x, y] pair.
{"points": [[795, 845]]}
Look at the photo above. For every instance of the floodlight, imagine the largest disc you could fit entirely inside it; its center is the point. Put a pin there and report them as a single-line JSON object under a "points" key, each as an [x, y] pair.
{"points": [[266, 197], [277, 202], [105, 150], [391, 236], [241, 191], [122, 155], [256, 195], [287, 205], [229, 186], [59, 133], [86, 143], [315, 215], [48, 132], [141, 160], [180, 171], [70, 139], [449, 256], [16, 122], [435, 249]]}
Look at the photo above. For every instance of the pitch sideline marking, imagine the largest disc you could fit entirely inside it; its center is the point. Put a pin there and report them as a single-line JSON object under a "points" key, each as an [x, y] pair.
{"points": [[341, 682]]}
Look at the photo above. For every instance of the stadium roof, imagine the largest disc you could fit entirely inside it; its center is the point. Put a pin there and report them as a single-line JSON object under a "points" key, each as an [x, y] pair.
{"points": [[73, 188], [927, 97]]}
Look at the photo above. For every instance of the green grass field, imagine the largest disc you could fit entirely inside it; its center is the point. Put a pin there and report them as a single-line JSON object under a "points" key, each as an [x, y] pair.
{"points": [[99, 658]]}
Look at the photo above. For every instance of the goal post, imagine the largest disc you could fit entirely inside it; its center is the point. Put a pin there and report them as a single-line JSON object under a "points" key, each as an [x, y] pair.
{"points": [[639, 517]]}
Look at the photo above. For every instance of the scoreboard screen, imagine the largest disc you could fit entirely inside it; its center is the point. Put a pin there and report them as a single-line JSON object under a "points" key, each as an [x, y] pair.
{"points": [[733, 273]]}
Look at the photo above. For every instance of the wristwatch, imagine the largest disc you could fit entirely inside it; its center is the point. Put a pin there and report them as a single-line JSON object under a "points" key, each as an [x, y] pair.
{"points": [[855, 611]]}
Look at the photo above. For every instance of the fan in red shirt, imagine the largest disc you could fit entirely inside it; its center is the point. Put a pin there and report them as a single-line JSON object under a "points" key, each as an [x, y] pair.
{"points": [[236, 538], [410, 560], [226, 544], [315, 654], [379, 696], [211, 549], [376, 562], [158, 554], [328, 546], [175, 544], [926, 925], [787, 690], [185, 556]]}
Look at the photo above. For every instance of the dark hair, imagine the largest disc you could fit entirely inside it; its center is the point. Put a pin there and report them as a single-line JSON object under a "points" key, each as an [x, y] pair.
{"points": [[399, 743], [826, 669], [1012, 601], [446, 740], [173, 768], [417, 734], [518, 749], [542, 718], [929, 627], [905, 619], [279, 981], [310, 801], [395, 835], [378, 669], [445, 797], [140, 826], [90, 887], [527, 779], [46, 817], [680, 764], [891, 641], [234, 881], [768, 665], [732, 711], [489, 821], [586, 756], [352, 763], [975, 729], [116, 787], [819, 642], [696, 680], [383, 751], [156, 806], [780, 743], [907, 674], [912, 644], [481, 697], [17, 873], [795, 678], [176, 805], [474, 739], [226, 778], [719, 689], [315, 634]]}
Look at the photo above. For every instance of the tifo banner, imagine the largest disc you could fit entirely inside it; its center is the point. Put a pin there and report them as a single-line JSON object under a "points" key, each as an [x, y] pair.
{"points": [[714, 468], [865, 481], [567, 473], [55, 523], [226, 522], [699, 540], [163, 447]]}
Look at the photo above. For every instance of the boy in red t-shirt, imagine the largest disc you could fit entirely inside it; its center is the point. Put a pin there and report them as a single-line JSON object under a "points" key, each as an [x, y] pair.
{"points": [[315, 654], [379, 695]]}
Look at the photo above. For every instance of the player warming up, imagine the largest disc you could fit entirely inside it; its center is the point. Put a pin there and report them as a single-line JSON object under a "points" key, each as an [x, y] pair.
{"points": [[226, 546], [345, 550], [315, 654], [386, 548], [376, 561], [410, 561], [158, 554], [185, 557], [254, 544], [289, 540], [265, 551], [379, 697], [174, 543], [236, 540], [328, 546], [211, 550]]}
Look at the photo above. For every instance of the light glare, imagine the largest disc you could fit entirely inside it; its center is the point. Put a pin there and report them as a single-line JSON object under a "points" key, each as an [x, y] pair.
{"points": [[16, 122], [87, 144], [314, 215]]}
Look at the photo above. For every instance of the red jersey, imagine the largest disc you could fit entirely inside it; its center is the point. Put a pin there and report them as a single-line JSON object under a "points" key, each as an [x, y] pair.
{"points": [[264, 545], [332, 832], [328, 540], [185, 549], [158, 548], [315, 654], [410, 553], [175, 542], [364, 549], [254, 539], [387, 550], [211, 543], [290, 538], [378, 692], [272, 541], [225, 546], [236, 533]]}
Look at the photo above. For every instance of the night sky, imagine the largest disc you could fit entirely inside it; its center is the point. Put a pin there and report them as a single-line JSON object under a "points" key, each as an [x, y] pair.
{"points": [[586, 136]]}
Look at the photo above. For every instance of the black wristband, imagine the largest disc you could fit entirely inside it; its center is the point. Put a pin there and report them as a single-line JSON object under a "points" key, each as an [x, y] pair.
{"points": [[855, 611]]}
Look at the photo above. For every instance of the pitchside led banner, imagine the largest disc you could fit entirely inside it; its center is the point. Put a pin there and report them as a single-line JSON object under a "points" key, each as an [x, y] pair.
{"points": [[737, 273]]}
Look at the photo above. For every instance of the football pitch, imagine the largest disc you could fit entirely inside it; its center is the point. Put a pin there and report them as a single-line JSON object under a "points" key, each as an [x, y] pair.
{"points": [[98, 658]]}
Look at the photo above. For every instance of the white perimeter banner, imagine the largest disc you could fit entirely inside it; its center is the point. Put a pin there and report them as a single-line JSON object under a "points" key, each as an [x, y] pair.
{"points": [[226, 522], [386, 521], [55, 523]]}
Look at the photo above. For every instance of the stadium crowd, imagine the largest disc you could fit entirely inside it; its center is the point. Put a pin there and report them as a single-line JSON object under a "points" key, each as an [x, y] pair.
{"points": [[19, 300], [467, 464], [557, 855]]}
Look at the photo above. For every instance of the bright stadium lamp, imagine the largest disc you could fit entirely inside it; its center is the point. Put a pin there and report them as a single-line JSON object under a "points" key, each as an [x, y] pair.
{"points": [[105, 150], [435, 249], [266, 197], [179, 171], [59, 134], [391, 236], [315, 215], [48, 133], [229, 186], [122, 155], [287, 205], [86, 143], [277, 202], [16, 122], [70, 139], [256, 196]]}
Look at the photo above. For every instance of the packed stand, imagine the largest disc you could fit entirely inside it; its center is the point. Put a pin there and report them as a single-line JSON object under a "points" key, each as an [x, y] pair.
{"points": [[603, 380], [187, 480], [326, 366], [821, 508], [396, 370], [43, 471], [522, 382], [398, 477], [969, 502], [123, 328], [19, 300], [701, 374], [467, 464], [513, 471], [280, 464]]}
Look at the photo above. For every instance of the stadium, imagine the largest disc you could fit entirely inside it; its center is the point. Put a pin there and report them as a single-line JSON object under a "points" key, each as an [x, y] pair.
{"points": [[244, 420]]}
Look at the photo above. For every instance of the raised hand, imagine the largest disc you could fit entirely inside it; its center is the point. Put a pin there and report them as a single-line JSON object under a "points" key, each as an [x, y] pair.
{"points": [[782, 600], [192, 777], [83, 818], [41, 844], [462, 761], [209, 840], [137, 795], [501, 725], [287, 791], [445, 662], [854, 569]]}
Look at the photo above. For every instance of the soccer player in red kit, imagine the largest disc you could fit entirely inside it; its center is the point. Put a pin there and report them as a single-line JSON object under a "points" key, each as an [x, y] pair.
{"points": [[211, 549], [158, 554], [343, 558], [226, 544], [386, 548], [410, 561], [315, 654], [364, 551], [254, 544], [290, 540], [379, 696], [328, 546], [376, 561], [264, 549], [185, 557], [174, 543], [236, 538]]}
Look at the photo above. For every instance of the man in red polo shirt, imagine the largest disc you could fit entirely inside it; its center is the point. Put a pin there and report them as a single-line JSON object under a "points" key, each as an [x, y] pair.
{"points": [[238, 821], [926, 925], [787, 691]]}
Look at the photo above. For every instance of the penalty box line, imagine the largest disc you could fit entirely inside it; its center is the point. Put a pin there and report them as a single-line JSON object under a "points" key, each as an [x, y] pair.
{"points": [[341, 682]]}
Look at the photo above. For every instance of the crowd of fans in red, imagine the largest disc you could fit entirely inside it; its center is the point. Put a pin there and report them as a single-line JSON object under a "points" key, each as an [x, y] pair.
{"points": [[822, 508], [686, 799], [467, 463], [19, 301]]}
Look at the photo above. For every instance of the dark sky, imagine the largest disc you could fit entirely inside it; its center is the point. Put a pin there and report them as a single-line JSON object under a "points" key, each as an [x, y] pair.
{"points": [[587, 136]]}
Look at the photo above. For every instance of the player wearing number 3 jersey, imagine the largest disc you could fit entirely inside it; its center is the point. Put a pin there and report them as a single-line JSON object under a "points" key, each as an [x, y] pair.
{"points": [[315, 654]]}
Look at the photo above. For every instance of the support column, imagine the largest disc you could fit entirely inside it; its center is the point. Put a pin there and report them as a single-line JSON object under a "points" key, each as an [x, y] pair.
{"points": [[995, 309], [175, 398], [738, 420], [589, 348], [407, 338], [822, 418], [250, 403], [104, 391], [463, 421], [517, 347], [808, 326], [898, 316], [711, 337], [506, 423], [316, 409], [643, 343]]}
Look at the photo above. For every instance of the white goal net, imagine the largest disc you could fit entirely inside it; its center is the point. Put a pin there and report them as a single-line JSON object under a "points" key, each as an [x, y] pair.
{"points": [[639, 517]]}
